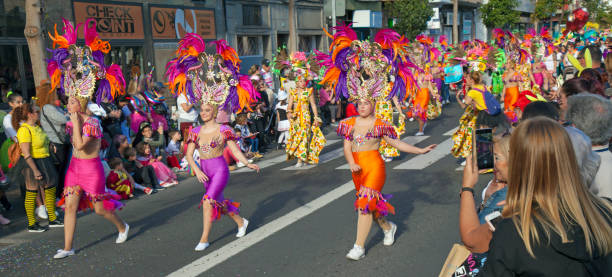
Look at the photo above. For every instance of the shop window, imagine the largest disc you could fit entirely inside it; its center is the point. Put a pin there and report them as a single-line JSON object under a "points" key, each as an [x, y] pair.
{"points": [[282, 40], [251, 15], [306, 43], [12, 18], [126, 57], [16, 70], [249, 45]]}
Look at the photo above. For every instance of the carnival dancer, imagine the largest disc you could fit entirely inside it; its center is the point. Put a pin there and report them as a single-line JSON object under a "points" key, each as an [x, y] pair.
{"points": [[512, 78], [368, 78], [420, 101], [139, 107], [305, 137], [158, 108], [223, 88], [90, 79]]}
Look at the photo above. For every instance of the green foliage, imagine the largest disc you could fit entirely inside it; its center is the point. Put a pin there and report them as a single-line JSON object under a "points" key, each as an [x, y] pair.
{"points": [[600, 11], [500, 13], [545, 8], [411, 16]]}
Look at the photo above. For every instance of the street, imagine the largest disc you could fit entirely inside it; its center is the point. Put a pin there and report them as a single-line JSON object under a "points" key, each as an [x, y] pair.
{"points": [[302, 223]]}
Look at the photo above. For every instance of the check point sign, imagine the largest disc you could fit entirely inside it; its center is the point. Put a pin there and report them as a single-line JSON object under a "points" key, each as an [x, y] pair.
{"points": [[174, 23], [125, 21]]}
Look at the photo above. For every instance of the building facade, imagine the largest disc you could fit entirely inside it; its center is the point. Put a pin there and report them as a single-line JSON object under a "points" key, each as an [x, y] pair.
{"points": [[146, 32]]}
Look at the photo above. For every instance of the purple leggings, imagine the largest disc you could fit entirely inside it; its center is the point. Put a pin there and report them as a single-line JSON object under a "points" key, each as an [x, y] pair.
{"points": [[218, 174]]}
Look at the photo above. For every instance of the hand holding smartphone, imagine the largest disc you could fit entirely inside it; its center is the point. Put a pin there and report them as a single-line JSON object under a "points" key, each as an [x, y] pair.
{"points": [[483, 143]]}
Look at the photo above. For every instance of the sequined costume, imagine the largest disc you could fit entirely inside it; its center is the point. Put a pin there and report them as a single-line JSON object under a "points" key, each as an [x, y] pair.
{"points": [[85, 177], [370, 181], [214, 166]]}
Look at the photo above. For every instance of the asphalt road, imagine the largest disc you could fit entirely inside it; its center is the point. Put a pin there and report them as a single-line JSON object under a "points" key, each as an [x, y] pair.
{"points": [[302, 223]]}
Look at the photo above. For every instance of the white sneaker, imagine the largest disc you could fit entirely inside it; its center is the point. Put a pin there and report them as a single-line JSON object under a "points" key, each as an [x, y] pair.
{"points": [[167, 184], [41, 212], [357, 253], [387, 159], [61, 253], [390, 234], [240, 164], [463, 163], [411, 119], [201, 246], [242, 230], [299, 164], [122, 237], [419, 134]]}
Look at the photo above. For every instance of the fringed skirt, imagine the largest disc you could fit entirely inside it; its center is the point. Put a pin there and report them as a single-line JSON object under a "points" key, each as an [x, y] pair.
{"points": [[218, 174], [85, 178], [369, 183]]}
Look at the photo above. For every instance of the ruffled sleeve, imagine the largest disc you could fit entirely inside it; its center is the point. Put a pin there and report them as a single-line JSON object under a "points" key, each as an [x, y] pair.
{"points": [[228, 133], [192, 135], [384, 129], [345, 128], [92, 128]]}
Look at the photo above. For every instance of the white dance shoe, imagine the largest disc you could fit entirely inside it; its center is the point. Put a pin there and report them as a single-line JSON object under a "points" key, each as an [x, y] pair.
{"points": [[242, 230], [390, 234], [202, 246], [61, 253], [356, 254], [123, 236]]}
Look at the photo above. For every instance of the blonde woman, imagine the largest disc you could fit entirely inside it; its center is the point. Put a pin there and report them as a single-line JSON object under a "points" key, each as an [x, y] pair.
{"points": [[552, 226]]}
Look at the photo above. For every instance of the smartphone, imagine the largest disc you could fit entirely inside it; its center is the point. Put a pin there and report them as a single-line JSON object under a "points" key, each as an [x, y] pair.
{"points": [[492, 219], [484, 148]]}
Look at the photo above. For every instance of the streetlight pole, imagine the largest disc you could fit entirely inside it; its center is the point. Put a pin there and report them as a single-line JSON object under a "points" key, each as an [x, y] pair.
{"points": [[455, 22], [333, 3]]}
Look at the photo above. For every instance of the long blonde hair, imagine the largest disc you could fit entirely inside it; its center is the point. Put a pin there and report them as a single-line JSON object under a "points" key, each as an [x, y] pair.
{"points": [[544, 185]]}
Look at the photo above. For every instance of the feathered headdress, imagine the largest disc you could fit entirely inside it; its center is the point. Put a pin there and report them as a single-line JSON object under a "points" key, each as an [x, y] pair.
{"points": [[78, 70], [363, 69], [298, 65], [209, 78]]}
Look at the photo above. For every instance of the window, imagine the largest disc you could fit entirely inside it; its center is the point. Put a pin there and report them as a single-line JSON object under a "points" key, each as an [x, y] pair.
{"points": [[282, 40], [251, 15], [306, 43], [248, 45]]}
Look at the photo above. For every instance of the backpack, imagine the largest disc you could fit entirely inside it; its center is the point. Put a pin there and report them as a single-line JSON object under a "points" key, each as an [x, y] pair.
{"points": [[14, 152], [492, 104]]}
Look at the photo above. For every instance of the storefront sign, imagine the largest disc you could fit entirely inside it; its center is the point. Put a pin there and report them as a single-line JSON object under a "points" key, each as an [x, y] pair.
{"points": [[114, 21], [174, 23]]}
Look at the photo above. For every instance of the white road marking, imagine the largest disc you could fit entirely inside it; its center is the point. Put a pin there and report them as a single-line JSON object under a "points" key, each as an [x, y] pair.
{"points": [[279, 159], [451, 132], [326, 157], [425, 160], [220, 255], [409, 139]]}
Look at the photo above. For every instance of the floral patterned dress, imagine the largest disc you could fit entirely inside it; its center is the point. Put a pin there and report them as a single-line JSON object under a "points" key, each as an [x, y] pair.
{"points": [[384, 112], [305, 140], [462, 138]]}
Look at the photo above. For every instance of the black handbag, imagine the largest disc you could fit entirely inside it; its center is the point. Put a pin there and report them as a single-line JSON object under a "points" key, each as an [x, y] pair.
{"points": [[52, 146]]}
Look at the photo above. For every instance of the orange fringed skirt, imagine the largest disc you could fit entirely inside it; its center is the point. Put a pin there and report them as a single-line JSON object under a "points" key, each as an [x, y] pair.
{"points": [[368, 184], [510, 98], [421, 103]]}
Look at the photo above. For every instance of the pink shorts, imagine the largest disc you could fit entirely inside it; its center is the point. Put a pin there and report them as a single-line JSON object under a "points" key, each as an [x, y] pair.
{"points": [[87, 174]]}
